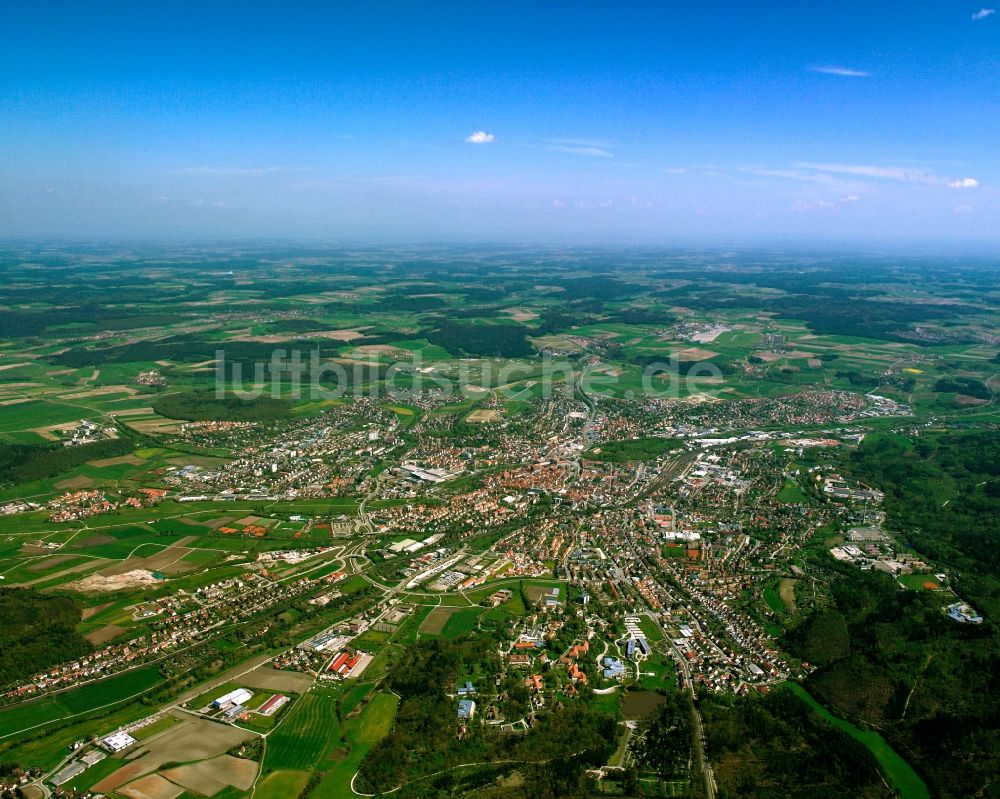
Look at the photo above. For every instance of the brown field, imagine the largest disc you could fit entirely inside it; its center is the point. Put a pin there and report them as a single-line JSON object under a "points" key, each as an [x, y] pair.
{"points": [[696, 354], [768, 356], [158, 425], [204, 461], [435, 621], [382, 349], [161, 561], [965, 399], [211, 776], [46, 563], [89, 613], [92, 563], [214, 524], [267, 679], [191, 739], [104, 634], [930, 585], [340, 335], [484, 415], [16, 401], [95, 540], [248, 520], [121, 460], [7, 366], [135, 412], [151, 786], [786, 590], [100, 392], [75, 483]]}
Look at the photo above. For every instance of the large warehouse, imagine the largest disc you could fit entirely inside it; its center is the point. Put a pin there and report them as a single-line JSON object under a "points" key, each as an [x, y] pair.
{"points": [[237, 697]]}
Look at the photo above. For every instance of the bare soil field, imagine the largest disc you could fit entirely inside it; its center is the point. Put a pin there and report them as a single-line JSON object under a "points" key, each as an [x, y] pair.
{"points": [[93, 563], [269, 679], [158, 425], [191, 739], [204, 461], [138, 578], [46, 563], [161, 561], [135, 412], [484, 415], [211, 776], [436, 619], [696, 354], [151, 786], [104, 634], [100, 392], [75, 483], [89, 613], [786, 590], [214, 524], [121, 460]]}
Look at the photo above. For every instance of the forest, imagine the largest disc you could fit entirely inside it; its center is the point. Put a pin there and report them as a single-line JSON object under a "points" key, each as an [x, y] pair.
{"points": [[20, 463], [889, 657], [196, 406], [773, 746], [38, 631]]}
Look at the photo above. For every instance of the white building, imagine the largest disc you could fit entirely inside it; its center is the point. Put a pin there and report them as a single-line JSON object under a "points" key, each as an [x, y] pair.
{"points": [[237, 697], [117, 741]]}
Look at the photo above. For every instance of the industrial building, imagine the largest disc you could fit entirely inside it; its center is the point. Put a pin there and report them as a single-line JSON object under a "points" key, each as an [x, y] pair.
{"points": [[117, 741], [238, 697], [272, 705]]}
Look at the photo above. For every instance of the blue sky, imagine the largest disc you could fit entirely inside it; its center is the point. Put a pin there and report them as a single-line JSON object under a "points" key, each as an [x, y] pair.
{"points": [[661, 122]]}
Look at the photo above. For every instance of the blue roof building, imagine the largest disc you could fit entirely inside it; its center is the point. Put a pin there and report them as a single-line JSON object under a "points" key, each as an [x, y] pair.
{"points": [[466, 709], [613, 668]]}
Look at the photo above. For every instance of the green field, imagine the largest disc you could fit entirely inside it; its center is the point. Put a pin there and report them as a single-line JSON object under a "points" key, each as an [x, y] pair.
{"points": [[362, 733], [791, 493], [28, 715], [308, 731], [281, 784], [461, 623]]}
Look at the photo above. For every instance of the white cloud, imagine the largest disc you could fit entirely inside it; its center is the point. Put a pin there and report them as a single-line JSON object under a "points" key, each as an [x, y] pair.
{"points": [[675, 170], [232, 171], [901, 174], [480, 137], [964, 209], [850, 198], [983, 13], [595, 152], [842, 72]]}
